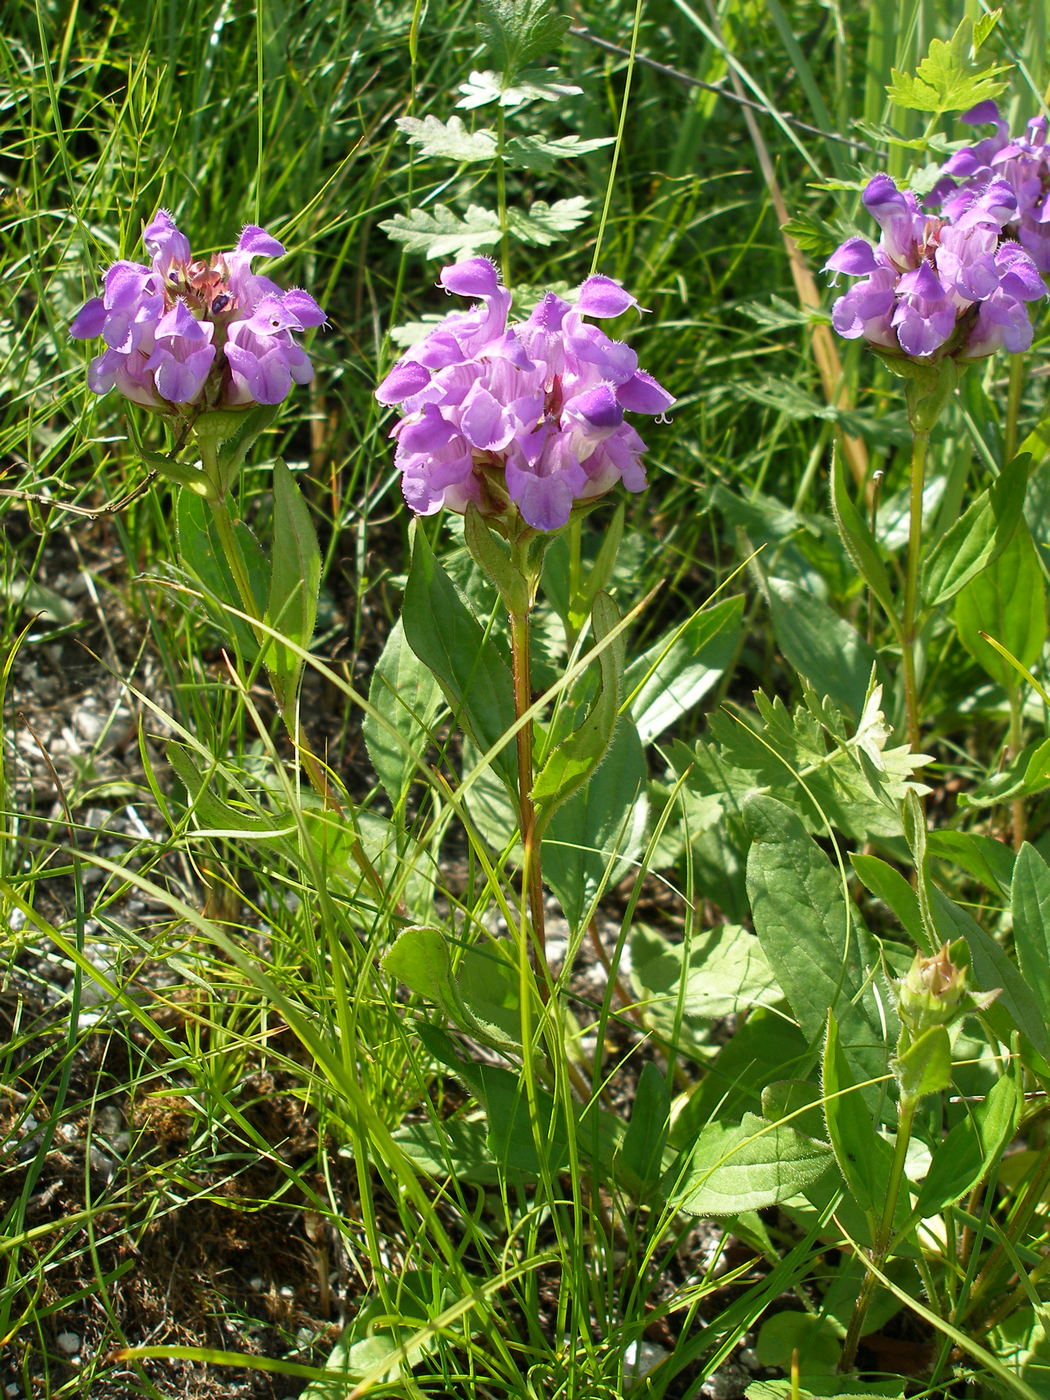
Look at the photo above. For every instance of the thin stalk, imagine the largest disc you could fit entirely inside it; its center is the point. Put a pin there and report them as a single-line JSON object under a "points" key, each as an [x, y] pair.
{"points": [[884, 1234], [1013, 407], [909, 622], [501, 197], [1018, 817], [532, 877]]}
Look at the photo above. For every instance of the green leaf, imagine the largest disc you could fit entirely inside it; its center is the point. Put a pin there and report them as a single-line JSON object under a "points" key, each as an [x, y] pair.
{"points": [[449, 640], [1008, 601], [800, 1338], [893, 889], [762, 1048], [517, 32], [949, 78], [985, 858], [962, 1159], [926, 1066], [576, 756], [820, 645], [449, 1147], [542, 155], [749, 1166], [641, 1153], [449, 140], [1018, 1006], [200, 551], [598, 833], [1027, 773], [675, 673], [858, 538], [404, 692], [714, 973], [439, 233], [978, 537], [817, 946], [863, 1156], [1030, 906], [542, 223], [481, 997], [295, 582]]}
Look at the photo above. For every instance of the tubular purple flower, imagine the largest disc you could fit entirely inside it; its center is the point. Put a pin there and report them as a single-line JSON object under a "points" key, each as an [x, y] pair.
{"points": [[186, 336], [529, 415], [937, 285]]}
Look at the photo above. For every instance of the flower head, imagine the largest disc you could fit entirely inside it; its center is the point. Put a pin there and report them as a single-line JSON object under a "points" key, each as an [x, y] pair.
{"points": [[1021, 163], [531, 414], [185, 336], [938, 285]]}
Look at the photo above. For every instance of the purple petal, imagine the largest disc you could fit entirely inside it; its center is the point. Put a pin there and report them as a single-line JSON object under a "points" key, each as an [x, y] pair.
{"points": [[856, 257], [601, 296], [257, 242], [475, 277], [642, 394], [89, 320], [303, 307], [405, 379]]}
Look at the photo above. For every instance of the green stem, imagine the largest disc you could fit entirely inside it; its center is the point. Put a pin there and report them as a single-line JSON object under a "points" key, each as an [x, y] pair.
{"points": [[1013, 407], [884, 1233], [909, 622], [501, 197], [532, 878]]}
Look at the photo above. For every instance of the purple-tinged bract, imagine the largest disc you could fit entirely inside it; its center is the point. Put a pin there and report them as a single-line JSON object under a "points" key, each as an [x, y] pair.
{"points": [[185, 335], [932, 286], [531, 414]]}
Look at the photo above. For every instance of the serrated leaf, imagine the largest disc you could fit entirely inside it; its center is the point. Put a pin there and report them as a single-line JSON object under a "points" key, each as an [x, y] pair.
{"points": [[439, 233], [542, 155], [481, 88], [449, 140], [517, 32], [542, 223], [948, 79]]}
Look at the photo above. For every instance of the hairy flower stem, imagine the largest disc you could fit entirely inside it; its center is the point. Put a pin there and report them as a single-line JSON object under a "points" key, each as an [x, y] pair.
{"points": [[909, 621], [532, 878], [883, 1238]]}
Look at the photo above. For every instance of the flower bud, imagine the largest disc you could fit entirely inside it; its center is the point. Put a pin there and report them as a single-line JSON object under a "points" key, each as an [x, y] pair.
{"points": [[934, 990]]}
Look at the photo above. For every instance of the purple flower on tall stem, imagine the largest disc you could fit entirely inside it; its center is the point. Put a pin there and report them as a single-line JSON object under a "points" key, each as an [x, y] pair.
{"points": [[936, 286], [185, 335], [530, 414]]}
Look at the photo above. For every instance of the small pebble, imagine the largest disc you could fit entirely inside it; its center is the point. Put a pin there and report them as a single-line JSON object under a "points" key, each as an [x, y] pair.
{"points": [[286, 1291], [69, 1342], [258, 1284]]}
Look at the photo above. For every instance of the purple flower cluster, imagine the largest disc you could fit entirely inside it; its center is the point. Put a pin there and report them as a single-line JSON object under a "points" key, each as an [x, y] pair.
{"points": [[531, 414], [950, 284], [197, 334], [1023, 163]]}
